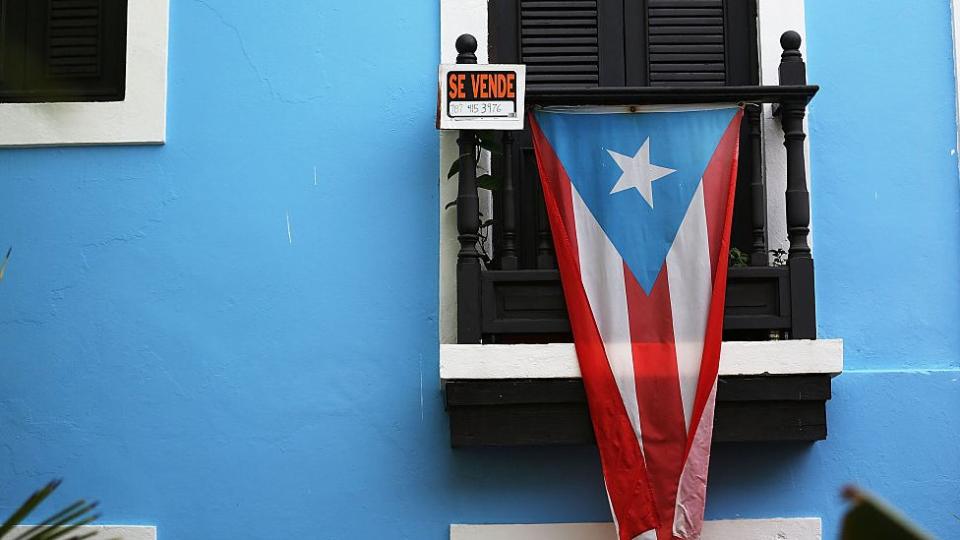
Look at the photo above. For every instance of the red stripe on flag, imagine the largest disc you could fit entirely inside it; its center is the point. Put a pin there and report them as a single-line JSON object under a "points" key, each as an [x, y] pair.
{"points": [[553, 174], [658, 390], [720, 181], [624, 469], [716, 182]]}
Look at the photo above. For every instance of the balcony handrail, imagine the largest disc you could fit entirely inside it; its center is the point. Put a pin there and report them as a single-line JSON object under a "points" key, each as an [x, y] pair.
{"points": [[658, 95]]}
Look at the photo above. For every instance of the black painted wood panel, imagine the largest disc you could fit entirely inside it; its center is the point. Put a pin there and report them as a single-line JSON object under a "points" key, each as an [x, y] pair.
{"points": [[520, 412], [531, 302]]}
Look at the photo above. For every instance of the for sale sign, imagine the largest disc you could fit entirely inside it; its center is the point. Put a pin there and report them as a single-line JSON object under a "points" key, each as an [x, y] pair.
{"points": [[487, 96]]}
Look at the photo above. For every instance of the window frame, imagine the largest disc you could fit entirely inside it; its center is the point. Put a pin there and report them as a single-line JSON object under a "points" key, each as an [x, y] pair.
{"points": [[139, 119]]}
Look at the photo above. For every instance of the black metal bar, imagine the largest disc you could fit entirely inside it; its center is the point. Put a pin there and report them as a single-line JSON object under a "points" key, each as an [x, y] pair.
{"points": [[545, 256], [792, 112], [641, 95], [468, 221], [508, 259], [758, 199]]}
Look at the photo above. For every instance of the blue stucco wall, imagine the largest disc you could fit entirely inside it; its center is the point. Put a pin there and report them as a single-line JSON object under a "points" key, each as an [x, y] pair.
{"points": [[886, 200], [168, 348]]}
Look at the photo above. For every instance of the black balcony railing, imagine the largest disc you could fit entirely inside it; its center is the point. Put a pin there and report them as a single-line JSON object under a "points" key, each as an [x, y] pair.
{"points": [[515, 295]]}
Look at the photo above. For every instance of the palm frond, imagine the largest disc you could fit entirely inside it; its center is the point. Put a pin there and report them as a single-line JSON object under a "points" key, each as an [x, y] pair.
{"points": [[61, 525]]}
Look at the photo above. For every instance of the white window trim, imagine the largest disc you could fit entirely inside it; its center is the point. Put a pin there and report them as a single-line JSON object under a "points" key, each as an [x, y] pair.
{"points": [[559, 360], [126, 532], [740, 529], [470, 16], [139, 119]]}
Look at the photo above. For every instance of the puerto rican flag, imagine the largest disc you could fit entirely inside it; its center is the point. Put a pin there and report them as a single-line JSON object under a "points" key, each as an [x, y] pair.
{"points": [[640, 205]]}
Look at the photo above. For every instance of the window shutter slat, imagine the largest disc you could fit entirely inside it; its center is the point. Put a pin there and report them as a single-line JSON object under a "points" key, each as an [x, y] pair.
{"points": [[686, 12], [68, 19], [684, 4], [679, 31], [673, 48], [531, 41], [531, 53], [559, 42], [539, 61]]}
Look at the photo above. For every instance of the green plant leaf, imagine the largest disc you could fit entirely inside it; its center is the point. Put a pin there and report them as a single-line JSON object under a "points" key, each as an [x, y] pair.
{"points": [[59, 515], [28, 506], [80, 510], [454, 168], [489, 182], [59, 526], [738, 258], [491, 140], [52, 520], [57, 532], [870, 518]]}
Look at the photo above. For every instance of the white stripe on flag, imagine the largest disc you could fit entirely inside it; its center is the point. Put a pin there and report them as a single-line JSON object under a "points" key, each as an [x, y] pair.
{"points": [[601, 269], [692, 489], [688, 270]]}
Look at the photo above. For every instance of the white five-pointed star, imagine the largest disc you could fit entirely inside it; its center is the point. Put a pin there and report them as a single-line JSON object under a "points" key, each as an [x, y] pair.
{"points": [[638, 172]]}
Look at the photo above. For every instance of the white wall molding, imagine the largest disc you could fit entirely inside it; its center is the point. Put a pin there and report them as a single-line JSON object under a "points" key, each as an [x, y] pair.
{"points": [[739, 529], [559, 360], [774, 17], [124, 532], [139, 119]]}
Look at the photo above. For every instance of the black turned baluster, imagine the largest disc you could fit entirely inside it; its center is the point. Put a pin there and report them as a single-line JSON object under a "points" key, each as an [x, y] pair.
{"points": [[793, 71], [545, 258], [508, 259], [758, 191], [468, 221]]}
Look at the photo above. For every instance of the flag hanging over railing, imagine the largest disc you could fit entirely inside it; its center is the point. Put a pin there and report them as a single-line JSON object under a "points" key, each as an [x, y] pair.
{"points": [[640, 205]]}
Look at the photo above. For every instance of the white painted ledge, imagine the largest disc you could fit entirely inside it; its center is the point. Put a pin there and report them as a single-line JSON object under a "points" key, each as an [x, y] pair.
{"points": [[732, 529], [141, 118], [559, 360], [124, 532]]}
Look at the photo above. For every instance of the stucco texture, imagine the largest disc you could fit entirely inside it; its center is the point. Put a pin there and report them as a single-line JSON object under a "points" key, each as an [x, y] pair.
{"points": [[234, 335]]}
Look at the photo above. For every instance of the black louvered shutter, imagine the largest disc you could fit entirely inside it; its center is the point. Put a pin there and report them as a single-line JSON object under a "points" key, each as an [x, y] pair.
{"points": [[562, 42], [591, 43], [63, 50], [686, 42], [559, 42], [626, 42]]}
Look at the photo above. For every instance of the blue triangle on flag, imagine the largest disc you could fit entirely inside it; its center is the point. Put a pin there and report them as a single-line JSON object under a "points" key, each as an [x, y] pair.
{"points": [[681, 141]]}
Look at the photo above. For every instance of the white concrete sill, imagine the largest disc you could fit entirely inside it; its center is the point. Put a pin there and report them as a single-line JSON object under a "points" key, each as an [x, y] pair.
{"points": [[559, 360], [124, 532], [724, 529]]}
